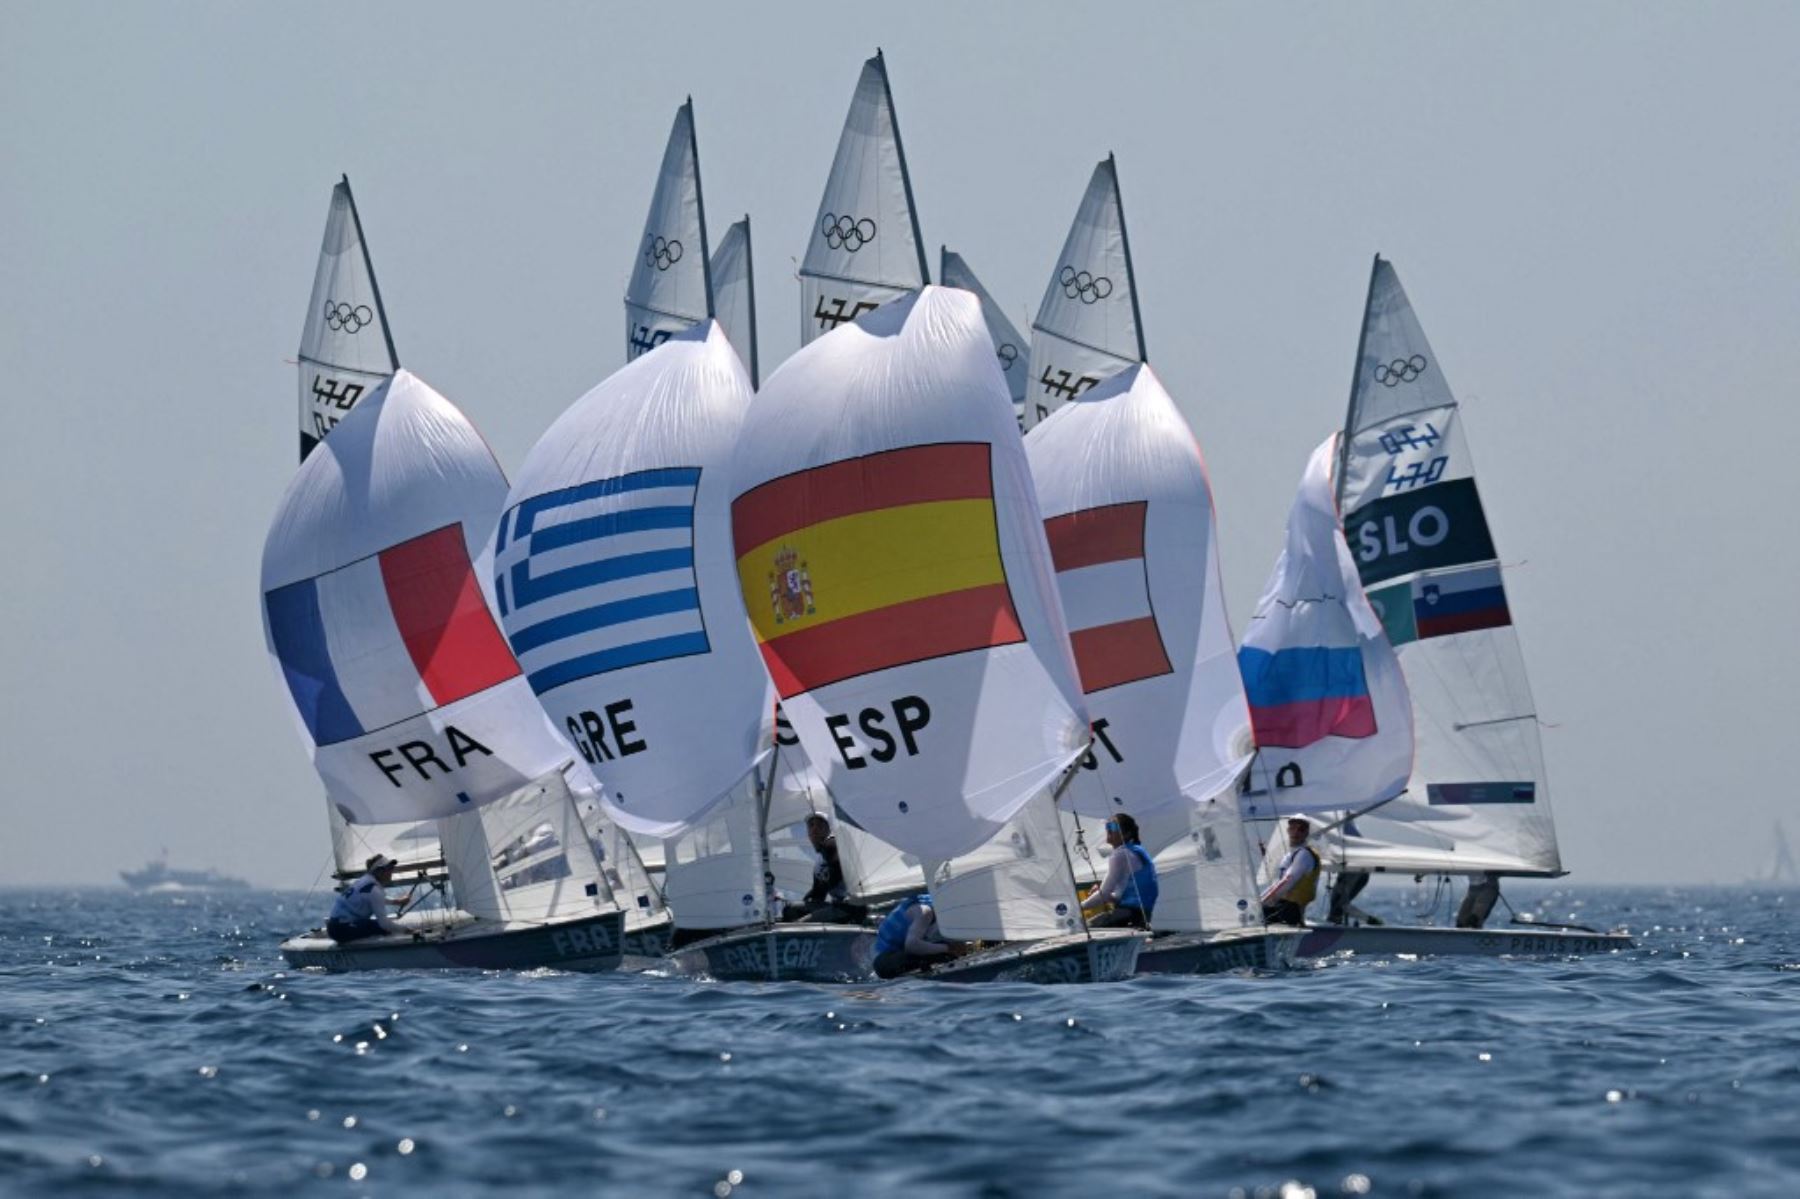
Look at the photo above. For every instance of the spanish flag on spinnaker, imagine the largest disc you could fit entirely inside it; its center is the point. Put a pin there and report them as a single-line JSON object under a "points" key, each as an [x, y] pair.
{"points": [[873, 562]]}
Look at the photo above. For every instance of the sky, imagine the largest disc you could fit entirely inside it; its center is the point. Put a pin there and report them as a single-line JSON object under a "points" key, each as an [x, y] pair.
{"points": [[1595, 209]]}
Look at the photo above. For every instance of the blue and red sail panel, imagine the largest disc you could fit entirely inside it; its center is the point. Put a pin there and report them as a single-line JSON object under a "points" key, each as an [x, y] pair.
{"points": [[387, 637], [1302, 695]]}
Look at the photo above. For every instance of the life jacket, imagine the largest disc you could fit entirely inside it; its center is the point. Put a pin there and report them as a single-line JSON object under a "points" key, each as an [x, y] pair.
{"points": [[1308, 886], [892, 933], [1141, 888], [356, 902]]}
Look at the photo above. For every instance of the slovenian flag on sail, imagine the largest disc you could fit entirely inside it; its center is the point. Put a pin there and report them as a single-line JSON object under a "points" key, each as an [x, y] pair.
{"points": [[387, 638], [1305, 694], [873, 562], [600, 576], [1100, 571]]}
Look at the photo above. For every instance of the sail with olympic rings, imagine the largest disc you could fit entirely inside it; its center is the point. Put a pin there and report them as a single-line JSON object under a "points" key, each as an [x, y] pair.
{"points": [[346, 347], [1010, 347], [671, 277]]}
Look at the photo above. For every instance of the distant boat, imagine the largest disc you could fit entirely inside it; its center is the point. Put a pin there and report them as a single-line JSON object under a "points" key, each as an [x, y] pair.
{"points": [[159, 876]]}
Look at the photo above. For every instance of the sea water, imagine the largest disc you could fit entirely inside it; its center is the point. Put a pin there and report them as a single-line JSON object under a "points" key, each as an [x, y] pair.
{"points": [[157, 1045]]}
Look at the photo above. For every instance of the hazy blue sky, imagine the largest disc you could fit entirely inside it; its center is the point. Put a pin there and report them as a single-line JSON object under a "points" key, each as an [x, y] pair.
{"points": [[1595, 209]]}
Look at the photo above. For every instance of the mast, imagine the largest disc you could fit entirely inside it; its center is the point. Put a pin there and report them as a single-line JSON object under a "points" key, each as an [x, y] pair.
{"points": [[1137, 316], [700, 203], [750, 280], [387, 332], [1362, 337], [912, 208]]}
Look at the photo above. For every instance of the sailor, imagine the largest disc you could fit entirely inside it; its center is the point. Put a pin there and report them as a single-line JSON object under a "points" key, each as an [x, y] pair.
{"points": [[1484, 893], [829, 900], [361, 908], [909, 939], [1297, 878], [1130, 883]]}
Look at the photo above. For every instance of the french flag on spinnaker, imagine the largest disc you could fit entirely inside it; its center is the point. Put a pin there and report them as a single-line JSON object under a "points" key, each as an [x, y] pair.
{"points": [[1100, 573], [387, 638], [1305, 694]]}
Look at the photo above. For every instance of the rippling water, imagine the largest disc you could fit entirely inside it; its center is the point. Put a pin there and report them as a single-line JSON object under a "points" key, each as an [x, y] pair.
{"points": [[158, 1046]]}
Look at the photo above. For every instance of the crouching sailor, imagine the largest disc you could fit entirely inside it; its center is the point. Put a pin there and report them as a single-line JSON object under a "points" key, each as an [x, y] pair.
{"points": [[361, 908], [909, 939], [1296, 878], [1130, 883]]}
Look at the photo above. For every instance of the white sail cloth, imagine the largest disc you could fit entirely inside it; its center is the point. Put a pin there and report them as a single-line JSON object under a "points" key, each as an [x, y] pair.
{"points": [[721, 869], [1129, 515], [346, 348], [864, 247], [1414, 520], [1207, 873], [402, 685], [1328, 703], [670, 288], [891, 553], [734, 294], [412, 845], [1087, 327], [614, 580], [525, 857], [1010, 346], [1014, 887]]}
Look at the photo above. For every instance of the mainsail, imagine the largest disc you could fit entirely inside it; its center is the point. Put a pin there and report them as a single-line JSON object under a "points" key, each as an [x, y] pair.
{"points": [[1328, 703], [671, 278], [1414, 520], [1129, 515], [864, 247], [734, 294], [346, 348], [614, 580], [1009, 345], [891, 554], [403, 688], [1088, 327]]}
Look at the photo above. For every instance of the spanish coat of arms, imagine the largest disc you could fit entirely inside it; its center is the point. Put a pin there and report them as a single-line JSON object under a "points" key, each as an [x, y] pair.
{"points": [[790, 587]]}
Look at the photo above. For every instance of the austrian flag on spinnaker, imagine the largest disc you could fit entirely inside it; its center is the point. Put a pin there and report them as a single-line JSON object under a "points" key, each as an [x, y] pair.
{"points": [[873, 562]]}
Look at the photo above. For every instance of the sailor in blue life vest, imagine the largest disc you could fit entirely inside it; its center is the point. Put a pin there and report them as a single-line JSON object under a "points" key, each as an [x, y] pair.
{"points": [[1296, 878], [361, 908], [909, 940], [1130, 883]]}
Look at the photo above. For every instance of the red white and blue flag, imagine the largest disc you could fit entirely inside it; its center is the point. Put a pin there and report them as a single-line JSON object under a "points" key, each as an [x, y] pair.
{"points": [[1100, 573]]}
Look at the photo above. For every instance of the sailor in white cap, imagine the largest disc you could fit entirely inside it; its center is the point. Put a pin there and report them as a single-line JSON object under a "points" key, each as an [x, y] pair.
{"points": [[361, 908], [1296, 878]]}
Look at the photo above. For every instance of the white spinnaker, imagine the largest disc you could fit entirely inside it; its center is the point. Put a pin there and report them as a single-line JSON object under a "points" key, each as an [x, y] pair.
{"points": [[1320, 641], [1414, 520], [671, 279], [614, 580], [1010, 346], [892, 555], [402, 684], [525, 857], [346, 348], [864, 247], [1088, 327], [1014, 887], [734, 294], [1133, 538]]}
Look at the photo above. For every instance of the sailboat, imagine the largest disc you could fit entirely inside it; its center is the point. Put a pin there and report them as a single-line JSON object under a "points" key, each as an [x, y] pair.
{"points": [[1088, 327], [1133, 538], [892, 558], [864, 247], [671, 278], [734, 294], [410, 702], [1010, 347], [347, 347]]}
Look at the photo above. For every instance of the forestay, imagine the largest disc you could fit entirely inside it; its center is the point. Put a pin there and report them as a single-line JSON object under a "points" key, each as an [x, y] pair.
{"points": [[1088, 327], [614, 579], [1328, 704], [401, 682], [671, 278], [734, 294], [1014, 887], [891, 553], [346, 348], [1129, 516], [1427, 559], [864, 247], [1009, 345]]}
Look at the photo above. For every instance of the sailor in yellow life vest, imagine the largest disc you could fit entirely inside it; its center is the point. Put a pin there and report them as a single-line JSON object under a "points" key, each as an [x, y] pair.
{"points": [[1296, 878]]}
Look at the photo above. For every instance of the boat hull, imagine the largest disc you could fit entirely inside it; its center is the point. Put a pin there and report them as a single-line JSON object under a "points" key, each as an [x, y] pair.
{"points": [[649, 942], [817, 953], [1216, 953], [1103, 956], [587, 943], [1326, 939]]}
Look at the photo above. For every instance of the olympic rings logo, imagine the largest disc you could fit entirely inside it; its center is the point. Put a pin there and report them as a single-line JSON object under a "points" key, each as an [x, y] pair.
{"points": [[1079, 285], [846, 232], [1008, 354], [346, 318], [1400, 370], [662, 254]]}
